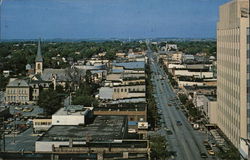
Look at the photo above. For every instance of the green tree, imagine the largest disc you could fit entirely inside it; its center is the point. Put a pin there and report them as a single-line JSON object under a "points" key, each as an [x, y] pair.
{"points": [[85, 100], [3, 81], [88, 77], [50, 101], [158, 147]]}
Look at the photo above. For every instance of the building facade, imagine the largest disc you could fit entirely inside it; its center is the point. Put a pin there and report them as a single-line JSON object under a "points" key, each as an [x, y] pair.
{"points": [[233, 66], [17, 91]]}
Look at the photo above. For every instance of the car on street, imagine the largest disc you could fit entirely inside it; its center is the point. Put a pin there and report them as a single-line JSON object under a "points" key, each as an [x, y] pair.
{"points": [[204, 155], [18, 108], [211, 152], [178, 123], [213, 144], [169, 132], [27, 109]]}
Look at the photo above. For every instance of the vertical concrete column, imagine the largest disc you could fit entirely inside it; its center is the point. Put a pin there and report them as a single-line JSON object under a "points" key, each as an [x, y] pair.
{"points": [[125, 154], [99, 156]]}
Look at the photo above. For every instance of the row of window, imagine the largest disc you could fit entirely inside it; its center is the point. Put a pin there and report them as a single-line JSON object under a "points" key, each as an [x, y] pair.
{"points": [[16, 91], [14, 98], [43, 123], [230, 126], [128, 89]]}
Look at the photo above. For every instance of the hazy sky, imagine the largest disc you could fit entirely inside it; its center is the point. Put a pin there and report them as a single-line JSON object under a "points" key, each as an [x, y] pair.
{"points": [[29, 19]]}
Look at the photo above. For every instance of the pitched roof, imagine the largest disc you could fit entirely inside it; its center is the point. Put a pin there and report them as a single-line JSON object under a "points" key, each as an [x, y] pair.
{"points": [[39, 57], [18, 83]]}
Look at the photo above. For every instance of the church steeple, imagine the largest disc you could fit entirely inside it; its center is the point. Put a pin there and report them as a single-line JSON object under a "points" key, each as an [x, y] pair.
{"points": [[39, 59]]}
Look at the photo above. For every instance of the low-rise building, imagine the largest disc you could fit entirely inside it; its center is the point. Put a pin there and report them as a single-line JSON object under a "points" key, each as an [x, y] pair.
{"points": [[41, 124], [103, 129], [71, 115], [207, 104], [17, 91], [122, 92]]}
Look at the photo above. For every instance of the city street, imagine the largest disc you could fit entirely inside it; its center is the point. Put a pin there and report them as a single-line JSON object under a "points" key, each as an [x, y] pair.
{"points": [[184, 140]]}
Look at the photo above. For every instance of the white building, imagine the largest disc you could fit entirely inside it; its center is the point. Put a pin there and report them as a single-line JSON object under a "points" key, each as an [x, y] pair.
{"points": [[71, 115]]}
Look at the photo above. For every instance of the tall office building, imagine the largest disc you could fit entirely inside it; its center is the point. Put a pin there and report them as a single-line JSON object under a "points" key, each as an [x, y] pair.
{"points": [[233, 59]]}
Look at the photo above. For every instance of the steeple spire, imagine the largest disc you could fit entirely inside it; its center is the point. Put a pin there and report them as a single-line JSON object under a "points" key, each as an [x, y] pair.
{"points": [[39, 57]]}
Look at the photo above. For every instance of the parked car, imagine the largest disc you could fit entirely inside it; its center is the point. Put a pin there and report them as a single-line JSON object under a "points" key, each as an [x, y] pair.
{"points": [[204, 155], [18, 108], [169, 132], [211, 152], [178, 123], [27, 109]]}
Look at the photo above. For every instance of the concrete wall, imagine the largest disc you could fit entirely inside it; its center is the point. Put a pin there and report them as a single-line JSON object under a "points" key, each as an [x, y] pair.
{"points": [[41, 124], [128, 91], [46, 146], [194, 74], [188, 83], [212, 112], [132, 115], [17, 95], [68, 119]]}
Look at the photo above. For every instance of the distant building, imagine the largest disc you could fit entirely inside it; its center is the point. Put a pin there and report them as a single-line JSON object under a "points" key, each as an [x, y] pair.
{"points": [[122, 92], [17, 91], [187, 58]]}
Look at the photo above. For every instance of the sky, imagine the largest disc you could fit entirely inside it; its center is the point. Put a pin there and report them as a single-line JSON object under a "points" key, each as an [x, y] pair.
{"points": [[82, 19]]}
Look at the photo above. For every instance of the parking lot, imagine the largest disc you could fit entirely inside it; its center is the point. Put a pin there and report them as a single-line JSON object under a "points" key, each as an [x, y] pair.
{"points": [[24, 141], [18, 127]]}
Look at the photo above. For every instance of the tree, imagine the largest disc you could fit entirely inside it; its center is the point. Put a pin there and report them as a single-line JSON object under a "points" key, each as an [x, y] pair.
{"points": [[88, 77], [110, 55], [3, 81], [159, 147], [183, 98], [50, 101], [85, 100]]}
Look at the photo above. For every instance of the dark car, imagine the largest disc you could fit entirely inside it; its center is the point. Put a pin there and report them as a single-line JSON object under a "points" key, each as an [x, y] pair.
{"points": [[178, 123], [204, 155], [169, 132]]}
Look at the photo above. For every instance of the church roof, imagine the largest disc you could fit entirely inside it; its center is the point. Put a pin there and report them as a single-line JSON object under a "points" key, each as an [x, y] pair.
{"points": [[39, 57]]}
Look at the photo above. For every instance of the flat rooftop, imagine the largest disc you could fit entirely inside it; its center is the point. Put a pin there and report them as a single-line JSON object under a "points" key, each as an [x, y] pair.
{"points": [[120, 109], [104, 128], [200, 87], [126, 105], [72, 110], [129, 100]]}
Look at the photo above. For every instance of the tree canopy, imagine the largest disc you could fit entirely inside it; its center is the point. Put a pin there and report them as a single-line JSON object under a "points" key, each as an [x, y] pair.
{"points": [[50, 100]]}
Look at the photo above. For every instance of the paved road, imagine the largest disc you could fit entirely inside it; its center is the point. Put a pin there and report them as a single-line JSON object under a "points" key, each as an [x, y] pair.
{"points": [[187, 142]]}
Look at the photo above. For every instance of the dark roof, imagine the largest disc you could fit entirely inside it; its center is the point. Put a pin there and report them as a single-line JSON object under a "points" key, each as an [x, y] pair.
{"points": [[18, 83], [39, 57], [103, 129]]}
